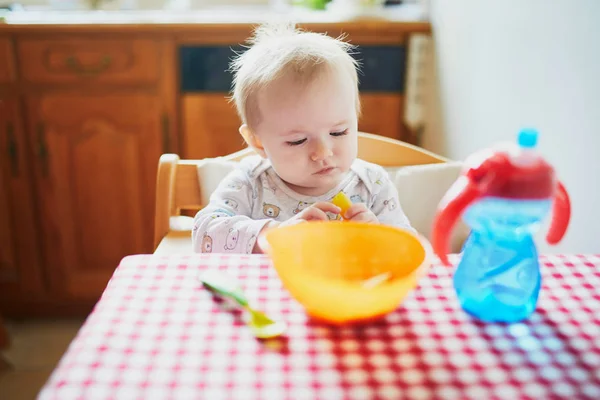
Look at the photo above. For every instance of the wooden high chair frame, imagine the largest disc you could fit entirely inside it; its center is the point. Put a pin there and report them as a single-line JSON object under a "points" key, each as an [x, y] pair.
{"points": [[178, 187]]}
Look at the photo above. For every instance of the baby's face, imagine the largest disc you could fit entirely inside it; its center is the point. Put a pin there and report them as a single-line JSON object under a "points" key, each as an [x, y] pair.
{"points": [[309, 131]]}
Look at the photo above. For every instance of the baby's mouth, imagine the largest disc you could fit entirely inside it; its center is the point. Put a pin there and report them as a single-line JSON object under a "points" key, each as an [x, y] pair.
{"points": [[325, 171]]}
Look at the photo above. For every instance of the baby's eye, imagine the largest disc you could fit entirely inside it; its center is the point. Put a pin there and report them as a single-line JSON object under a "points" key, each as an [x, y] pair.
{"points": [[341, 133], [297, 142]]}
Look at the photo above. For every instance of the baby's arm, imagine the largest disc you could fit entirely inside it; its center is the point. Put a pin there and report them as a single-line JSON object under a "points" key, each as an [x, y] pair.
{"points": [[225, 224], [386, 205]]}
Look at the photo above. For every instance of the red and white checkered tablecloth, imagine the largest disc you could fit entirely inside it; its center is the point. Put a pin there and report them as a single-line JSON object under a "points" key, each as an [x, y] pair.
{"points": [[157, 333]]}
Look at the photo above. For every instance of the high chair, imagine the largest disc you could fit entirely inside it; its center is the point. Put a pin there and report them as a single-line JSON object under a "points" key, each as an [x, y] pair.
{"points": [[179, 190]]}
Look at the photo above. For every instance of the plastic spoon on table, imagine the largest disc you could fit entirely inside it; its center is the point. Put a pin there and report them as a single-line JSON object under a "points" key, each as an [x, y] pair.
{"points": [[225, 285]]}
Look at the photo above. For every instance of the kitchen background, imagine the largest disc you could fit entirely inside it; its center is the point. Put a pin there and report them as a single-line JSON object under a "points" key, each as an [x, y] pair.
{"points": [[488, 69]]}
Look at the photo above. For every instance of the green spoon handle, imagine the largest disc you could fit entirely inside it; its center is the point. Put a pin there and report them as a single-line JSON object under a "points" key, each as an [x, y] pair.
{"points": [[224, 285]]}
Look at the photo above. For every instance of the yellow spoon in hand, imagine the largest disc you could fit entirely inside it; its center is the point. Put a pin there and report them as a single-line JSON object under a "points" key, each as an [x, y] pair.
{"points": [[261, 326]]}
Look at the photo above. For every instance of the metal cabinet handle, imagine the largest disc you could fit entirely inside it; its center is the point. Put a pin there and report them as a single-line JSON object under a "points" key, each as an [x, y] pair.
{"points": [[75, 66]]}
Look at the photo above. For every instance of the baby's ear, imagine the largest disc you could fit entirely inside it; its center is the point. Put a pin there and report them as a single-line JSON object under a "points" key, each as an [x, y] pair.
{"points": [[252, 140]]}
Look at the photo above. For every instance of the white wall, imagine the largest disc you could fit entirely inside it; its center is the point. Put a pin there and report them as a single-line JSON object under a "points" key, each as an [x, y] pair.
{"points": [[500, 65]]}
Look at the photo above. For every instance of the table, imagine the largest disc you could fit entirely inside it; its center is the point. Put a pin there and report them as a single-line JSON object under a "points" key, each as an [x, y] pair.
{"points": [[156, 333]]}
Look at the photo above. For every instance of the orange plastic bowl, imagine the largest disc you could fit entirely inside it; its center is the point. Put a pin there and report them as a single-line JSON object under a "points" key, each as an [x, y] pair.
{"points": [[325, 266]]}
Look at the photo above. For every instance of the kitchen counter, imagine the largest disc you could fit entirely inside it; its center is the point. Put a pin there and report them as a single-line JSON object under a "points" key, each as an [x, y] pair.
{"points": [[407, 17]]}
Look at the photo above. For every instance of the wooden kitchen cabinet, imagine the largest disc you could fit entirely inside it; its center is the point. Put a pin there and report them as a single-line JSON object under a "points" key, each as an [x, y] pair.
{"points": [[20, 273], [210, 126], [95, 172], [382, 114], [7, 64], [91, 115], [86, 110], [93, 59]]}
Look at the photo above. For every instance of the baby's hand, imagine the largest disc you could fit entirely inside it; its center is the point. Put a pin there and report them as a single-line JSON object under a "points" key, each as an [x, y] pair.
{"points": [[360, 213], [316, 212]]}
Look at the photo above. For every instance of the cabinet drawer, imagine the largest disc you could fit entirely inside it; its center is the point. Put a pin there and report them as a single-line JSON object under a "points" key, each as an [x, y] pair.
{"points": [[7, 66], [108, 61]]}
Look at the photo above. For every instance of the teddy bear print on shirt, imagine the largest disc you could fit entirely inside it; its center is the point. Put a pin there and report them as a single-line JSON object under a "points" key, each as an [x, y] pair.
{"points": [[235, 185], [231, 203], [301, 206], [232, 239], [271, 210], [391, 204], [207, 244], [333, 217]]}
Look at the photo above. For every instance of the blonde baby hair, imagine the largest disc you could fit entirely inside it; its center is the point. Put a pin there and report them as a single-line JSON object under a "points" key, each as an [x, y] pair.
{"points": [[278, 49]]}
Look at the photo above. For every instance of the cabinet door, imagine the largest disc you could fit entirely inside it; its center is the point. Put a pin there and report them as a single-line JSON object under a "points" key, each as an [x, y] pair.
{"points": [[210, 126], [7, 65], [96, 159], [19, 261], [382, 114]]}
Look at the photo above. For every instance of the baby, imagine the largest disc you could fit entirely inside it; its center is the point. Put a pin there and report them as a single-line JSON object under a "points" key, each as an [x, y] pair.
{"points": [[297, 96]]}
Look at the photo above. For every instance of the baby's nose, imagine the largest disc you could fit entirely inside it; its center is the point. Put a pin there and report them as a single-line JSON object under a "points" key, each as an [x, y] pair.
{"points": [[321, 152]]}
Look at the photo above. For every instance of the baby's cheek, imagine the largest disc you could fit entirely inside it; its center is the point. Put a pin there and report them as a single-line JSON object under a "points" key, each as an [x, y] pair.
{"points": [[290, 168]]}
